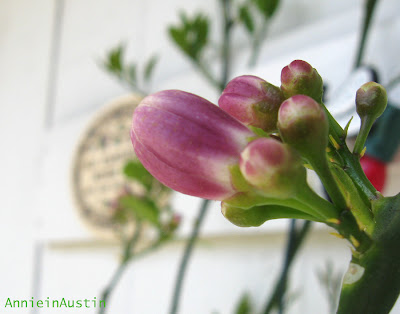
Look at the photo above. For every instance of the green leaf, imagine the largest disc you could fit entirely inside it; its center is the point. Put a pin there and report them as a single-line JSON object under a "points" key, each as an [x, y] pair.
{"points": [[246, 18], [134, 170], [178, 36], [244, 306], [191, 36], [115, 57], [131, 73], [267, 7], [148, 70], [143, 209]]}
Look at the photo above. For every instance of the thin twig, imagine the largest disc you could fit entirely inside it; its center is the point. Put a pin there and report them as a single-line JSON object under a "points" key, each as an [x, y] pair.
{"points": [[258, 39], [369, 11], [226, 43], [127, 256], [186, 256], [295, 239]]}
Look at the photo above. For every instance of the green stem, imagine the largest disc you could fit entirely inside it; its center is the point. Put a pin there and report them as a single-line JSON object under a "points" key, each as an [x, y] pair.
{"points": [[256, 47], [226, 43], [351, 163], [226, 48], [392, 83], [206, 73], [353, 168], [295, 239], [369, 11], [317, 204], [127, 256], [186, 256], [372, 284], [360, 210], [366, 125], [322, 169]]}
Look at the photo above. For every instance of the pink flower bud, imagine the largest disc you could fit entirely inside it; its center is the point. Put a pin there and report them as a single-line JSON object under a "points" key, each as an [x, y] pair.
{"points": [[252, 101], [299, 77], [272, 167], [303, 124], [187, 143]]}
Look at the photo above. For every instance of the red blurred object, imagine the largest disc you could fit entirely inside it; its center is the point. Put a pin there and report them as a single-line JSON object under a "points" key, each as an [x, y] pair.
{"points": [[375, 171]]}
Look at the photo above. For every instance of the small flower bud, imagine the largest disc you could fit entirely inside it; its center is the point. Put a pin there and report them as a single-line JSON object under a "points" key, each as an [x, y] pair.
{"points": [[272, 167], [303, 124], [371, 100], [252, 101], [188, 143], [174, 223], [299, 77]]}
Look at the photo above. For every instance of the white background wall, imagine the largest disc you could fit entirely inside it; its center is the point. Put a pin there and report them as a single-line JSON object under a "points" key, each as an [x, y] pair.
{"points": [[37, 210]]}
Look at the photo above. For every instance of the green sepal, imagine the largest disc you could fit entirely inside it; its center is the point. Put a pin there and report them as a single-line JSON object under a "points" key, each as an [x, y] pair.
{"points": [[257, 131], [246, 200], [237, 179], [257, 215]]}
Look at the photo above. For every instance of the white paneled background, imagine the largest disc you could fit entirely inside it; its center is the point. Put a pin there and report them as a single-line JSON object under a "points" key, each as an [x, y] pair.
{"points": [[51, 86]]}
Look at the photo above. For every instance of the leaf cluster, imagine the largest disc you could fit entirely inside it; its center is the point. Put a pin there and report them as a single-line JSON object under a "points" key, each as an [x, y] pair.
{"points": [[127, 72], [191, 34], [145, 207]]}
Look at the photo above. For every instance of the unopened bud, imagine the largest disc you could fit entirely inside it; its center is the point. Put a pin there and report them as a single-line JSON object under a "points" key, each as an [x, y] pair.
{"points": [[371, 100], [272, 167], [299, 77], [188, 143], [252, 101], [303, 124]]}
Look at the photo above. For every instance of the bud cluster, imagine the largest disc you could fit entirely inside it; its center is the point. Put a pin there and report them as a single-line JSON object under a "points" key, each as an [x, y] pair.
{"points": [[220, 153]]}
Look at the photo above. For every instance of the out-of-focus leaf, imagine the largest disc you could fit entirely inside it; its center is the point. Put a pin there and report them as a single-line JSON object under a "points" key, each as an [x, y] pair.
{"points": [[246, 18], [267, 7], [191, 36], [149, 67], [244, 306], [200, 28], [131, 72], [115, 57], [135, 170], [143, 209], [178, 36]]}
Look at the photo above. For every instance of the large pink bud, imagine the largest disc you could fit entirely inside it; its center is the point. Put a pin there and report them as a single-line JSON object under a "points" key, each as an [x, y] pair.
{"points": [[188, 143], [252, 101]]}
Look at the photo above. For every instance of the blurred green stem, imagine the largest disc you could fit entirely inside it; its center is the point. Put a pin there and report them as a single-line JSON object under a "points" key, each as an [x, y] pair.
{"points": [[126, 257], [294, 242], [258, 38], [368, 13], [186, 256], [226, 42], [225, 69]]}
